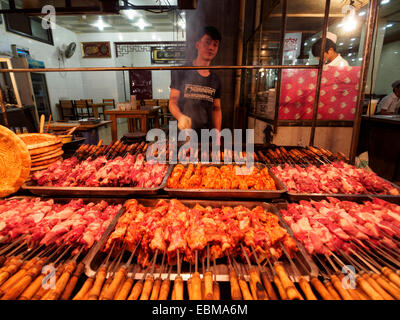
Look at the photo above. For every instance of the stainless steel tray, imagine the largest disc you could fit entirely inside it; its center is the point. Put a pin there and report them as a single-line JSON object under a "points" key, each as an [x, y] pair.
{"points": [[228, 193], [94, 191], [96, 256]]}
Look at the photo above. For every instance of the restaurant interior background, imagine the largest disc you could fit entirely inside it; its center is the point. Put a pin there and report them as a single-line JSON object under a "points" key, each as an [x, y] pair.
{"points": [[133, 34]]}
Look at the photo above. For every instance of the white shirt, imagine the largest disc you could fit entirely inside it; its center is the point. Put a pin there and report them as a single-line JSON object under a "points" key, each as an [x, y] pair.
{"points": [[390, 103], [338, 62]]}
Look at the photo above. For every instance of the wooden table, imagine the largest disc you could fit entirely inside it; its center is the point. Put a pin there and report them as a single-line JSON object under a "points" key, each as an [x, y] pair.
{"points": [[89, 131], [95, 107], [144, 114]]}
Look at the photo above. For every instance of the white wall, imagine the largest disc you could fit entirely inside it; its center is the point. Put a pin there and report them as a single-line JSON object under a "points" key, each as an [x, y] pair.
{"points": [[389, 68], [94, 82], [60, 85]]}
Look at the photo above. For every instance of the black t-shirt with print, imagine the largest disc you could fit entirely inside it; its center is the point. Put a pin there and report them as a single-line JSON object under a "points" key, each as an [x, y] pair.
{"points": [[197, 94]]}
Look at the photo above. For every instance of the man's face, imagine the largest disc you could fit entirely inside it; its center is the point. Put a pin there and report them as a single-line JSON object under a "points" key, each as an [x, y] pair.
{"points": [[207, 48], [328, 56], [397, 92]]}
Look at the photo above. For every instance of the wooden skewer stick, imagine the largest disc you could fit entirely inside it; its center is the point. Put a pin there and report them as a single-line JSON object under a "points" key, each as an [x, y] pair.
{"points": [[157, 282], [148, 283], [178, 282], [243, 284], [165, 286], [196, 281], [264, 277], [236, 294], [208, 279]]}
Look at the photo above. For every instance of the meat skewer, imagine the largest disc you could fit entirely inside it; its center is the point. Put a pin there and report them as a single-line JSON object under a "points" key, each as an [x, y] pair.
{"points": [[120, 276], [363, 273], [289, 286], [208, 279], [234, 282], [43, 289], [366, 287], [304, 285], [277, 281], [255, 280], [243, 284], [178, 282], [337, 283], [216, 288], [196, 281], [63, 280], [18, 287], [157, 282], [165, 286], [101, 274]]}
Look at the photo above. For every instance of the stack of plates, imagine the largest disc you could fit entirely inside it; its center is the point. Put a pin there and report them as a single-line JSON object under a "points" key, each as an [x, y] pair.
{"points": [[44, 149]]}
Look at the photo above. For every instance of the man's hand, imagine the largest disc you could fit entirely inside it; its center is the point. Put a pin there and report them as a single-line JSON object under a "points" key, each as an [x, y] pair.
{"points": [[184, 122]]}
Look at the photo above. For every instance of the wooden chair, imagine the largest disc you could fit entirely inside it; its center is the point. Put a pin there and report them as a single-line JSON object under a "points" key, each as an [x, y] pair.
{"points": [[150, 102], [107, 103], [81, 109], [67, 110]]}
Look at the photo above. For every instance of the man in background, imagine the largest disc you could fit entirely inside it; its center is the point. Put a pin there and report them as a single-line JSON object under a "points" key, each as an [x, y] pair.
{"points": [[391, 103], [331, 57], [195, 97]]}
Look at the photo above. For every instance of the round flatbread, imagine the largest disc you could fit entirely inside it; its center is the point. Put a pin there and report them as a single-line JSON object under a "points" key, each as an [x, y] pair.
{"points": [[47, 157], [39, 140], [42, 167], [43, 162], [37, 151], [15, 162], [46, 154]]}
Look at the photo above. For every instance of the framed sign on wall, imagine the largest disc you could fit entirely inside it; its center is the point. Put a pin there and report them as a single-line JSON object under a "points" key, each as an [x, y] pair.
{"points": [[96, 49]]}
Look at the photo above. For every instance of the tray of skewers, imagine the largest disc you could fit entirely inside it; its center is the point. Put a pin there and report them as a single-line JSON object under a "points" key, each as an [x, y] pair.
{"points": [[205, 180], [172, 238], [338, 179], [113, 170]]}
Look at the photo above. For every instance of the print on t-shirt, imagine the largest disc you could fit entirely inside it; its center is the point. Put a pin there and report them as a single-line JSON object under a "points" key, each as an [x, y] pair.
{"points": [[197, 92]]}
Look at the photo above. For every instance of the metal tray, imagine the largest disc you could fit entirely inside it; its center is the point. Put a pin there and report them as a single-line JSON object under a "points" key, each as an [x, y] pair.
{"points": [[293, 196], [96, 256], [228, 193], [94, 191]]}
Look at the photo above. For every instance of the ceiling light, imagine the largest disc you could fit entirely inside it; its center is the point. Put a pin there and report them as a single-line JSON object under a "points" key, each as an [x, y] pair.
{"points": [[305, 43], [349, 21], [352, 39], [340, 44], [385, 1], [340, 25], [313, 39], [100, 24], [359, 59], [389, 25], [141, 24], [362, 13], [130, 14]]}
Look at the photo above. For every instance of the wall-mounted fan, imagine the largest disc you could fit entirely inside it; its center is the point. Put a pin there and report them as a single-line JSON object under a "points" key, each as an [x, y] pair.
{"points": [[67, 53]]}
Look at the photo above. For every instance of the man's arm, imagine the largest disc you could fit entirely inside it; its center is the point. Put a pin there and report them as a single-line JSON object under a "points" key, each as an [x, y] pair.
{"points": [[383, 106], [217, 114], [173, 103]]}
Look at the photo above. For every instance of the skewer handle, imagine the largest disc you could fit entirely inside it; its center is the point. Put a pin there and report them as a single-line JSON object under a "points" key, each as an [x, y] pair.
{"points": [[125, 289], [268, 286], [95, 291], [156, 289], [119, 277], [368, 289], [255, 278], [216, 291], [147, 288], [61, 283], [84, 290], [208, 285], [196, 287], [338, 286], [136, 290], [319, 286], [306, 288], [386, 285], [235, 288], [391, 276], [178, 287], [377, 287], [164, 290], [291, 290], [72, 282], [281, 289], [32, 288], [245, 290]]}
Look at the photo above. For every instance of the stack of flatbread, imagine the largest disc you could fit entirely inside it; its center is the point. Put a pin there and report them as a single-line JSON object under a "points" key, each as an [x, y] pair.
{"points": [[44, 149], [15, 163]]}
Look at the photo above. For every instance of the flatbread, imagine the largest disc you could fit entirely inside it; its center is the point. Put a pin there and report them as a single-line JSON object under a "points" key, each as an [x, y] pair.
{"points": [[43, 162], [39, 140], [42, 167], [15, 162], [46, 154], [37, 151], [47, 157]]}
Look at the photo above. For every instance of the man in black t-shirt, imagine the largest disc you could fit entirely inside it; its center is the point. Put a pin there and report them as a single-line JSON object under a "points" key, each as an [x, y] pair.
{"points": [[195, 97]]}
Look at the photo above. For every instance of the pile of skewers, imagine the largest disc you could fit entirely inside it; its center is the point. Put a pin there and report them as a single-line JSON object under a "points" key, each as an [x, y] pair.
{"points": [[297, 155], [22, 276], [111, 151]]}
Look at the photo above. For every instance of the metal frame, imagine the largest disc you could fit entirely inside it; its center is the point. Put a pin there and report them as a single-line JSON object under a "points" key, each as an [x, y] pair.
{"points": [[372, 16]]}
